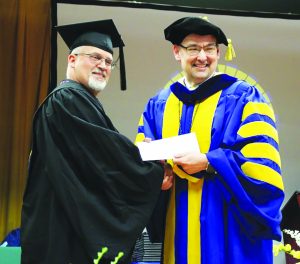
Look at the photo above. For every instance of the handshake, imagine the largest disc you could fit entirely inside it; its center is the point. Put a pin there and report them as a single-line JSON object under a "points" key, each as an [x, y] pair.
{"points": [[190, 159]]}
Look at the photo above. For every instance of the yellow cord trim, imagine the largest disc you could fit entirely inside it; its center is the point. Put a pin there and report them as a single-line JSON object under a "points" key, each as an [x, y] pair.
{"points": [[184, 175]]}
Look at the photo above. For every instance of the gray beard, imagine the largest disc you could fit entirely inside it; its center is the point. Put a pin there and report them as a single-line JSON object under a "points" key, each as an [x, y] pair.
{"points": [[96, 85]]}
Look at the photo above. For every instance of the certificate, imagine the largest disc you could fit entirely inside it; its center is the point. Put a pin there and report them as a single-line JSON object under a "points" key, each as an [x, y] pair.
{"points": [[167, 148]]}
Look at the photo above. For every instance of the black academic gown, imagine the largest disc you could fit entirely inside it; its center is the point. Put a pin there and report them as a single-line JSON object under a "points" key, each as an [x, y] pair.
{"points": [[87, 186]]}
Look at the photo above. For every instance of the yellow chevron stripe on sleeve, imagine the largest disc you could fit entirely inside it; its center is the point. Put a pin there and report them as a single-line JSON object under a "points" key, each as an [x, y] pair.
{"points": [[263, 173], [258, 128], [261, 150], [258, 108]]}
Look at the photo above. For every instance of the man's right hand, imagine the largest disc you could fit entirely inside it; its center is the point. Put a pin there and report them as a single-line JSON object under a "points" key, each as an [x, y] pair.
{"points": [[168, 177]]}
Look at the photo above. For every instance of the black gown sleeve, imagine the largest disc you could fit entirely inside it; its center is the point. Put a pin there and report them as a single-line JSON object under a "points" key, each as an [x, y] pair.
{"points": [[106, 192]]}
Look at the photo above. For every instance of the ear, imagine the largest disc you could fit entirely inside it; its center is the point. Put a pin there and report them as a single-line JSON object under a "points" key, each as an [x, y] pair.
{"points": [[71, 60], [218, 52], [176, 52]]}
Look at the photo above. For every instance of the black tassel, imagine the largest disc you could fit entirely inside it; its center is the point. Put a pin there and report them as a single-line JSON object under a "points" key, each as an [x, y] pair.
{"points": [[122, 69]]}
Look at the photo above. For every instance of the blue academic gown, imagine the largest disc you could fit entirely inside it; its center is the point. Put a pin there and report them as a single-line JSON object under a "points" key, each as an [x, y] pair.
{"points": [[231, 216]]}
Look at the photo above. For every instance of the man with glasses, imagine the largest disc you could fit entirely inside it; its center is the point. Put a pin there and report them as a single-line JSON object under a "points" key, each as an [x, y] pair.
{"points": [[224, 204], [88, 190]]}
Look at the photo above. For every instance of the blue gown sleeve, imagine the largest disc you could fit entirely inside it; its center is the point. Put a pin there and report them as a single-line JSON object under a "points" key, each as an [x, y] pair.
{"points": [[245, 154]]}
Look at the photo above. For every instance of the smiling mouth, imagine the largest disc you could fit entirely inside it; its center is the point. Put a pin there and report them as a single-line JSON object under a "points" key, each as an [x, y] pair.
{"points": [[99, 75], [200, 66]]}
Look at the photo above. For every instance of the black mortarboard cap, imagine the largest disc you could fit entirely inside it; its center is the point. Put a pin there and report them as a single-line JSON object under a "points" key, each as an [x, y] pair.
{"points": [[178, 30], [102, 34]]}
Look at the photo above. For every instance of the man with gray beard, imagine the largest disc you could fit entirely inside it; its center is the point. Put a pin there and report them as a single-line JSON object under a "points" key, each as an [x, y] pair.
{"points": [[88, 189], [95, 66]]}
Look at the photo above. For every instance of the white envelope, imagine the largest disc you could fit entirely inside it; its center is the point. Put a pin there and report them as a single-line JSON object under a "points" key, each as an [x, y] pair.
{"points": [[167, 148]]}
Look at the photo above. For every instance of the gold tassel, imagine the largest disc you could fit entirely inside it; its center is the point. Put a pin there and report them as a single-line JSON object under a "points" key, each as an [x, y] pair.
{"points": [[204, 18], [230, 53]]}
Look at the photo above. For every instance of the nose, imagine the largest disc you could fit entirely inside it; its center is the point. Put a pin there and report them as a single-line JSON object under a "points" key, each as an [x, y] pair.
{"points": [[101, 63], [201, 55]]}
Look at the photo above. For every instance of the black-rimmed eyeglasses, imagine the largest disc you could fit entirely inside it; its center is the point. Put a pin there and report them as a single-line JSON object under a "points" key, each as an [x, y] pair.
{"points": [[194, 50]]}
